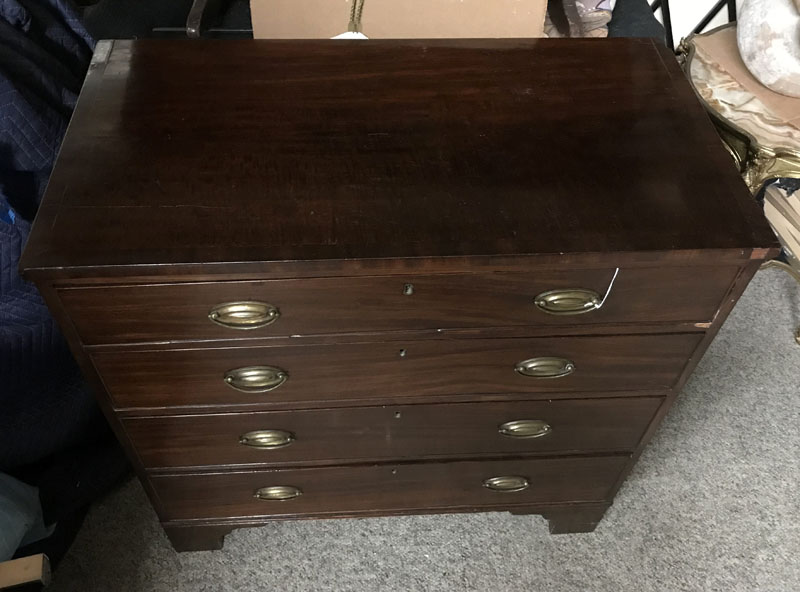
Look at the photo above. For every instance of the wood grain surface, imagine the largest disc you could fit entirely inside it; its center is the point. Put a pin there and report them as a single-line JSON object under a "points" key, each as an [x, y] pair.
{"points": [[377, 304], [387, 487], [253, 151], [364, 371], [326, 178], [393, 432]]}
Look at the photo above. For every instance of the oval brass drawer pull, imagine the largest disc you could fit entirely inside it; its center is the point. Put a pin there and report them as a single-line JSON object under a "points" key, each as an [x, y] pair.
{"points": [[256, 379], [266, 439], [507, 483], [572, 301], [246, 314], [545, 367], [278, 493], [525, 428]]}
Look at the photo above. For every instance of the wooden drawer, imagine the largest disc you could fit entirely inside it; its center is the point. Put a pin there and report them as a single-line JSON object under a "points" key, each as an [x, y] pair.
{"points": [[392, 432], [363, 371], [126, 314], [386, 488]]}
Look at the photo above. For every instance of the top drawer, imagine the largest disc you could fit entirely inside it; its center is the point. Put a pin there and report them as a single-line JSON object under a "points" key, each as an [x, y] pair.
{"points": [[178, 312]]}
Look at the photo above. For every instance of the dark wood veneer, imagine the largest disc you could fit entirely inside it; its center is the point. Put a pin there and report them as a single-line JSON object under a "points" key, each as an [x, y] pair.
{"points": [[322, 176], [364, 371], [393, 432], [200, 535], [448, 485], [339, 150], [346, 305]]}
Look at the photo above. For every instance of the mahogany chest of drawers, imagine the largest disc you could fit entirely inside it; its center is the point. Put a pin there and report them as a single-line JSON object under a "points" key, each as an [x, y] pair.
{"points": [[321, 279]]}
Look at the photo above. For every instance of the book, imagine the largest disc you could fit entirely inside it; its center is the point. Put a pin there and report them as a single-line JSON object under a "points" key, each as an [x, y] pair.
{"points": [[782, 210]]}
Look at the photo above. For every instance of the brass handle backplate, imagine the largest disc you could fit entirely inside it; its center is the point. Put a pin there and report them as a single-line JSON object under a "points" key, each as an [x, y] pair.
{"points": [[278, 493], [266, 439], [571, 301], [525, 428], [246, 314], [256, 379], [507, 483], [545, 367]]}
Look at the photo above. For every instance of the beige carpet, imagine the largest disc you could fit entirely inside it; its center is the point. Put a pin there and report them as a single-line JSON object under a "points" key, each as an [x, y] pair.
{"points": [[713, 505]]}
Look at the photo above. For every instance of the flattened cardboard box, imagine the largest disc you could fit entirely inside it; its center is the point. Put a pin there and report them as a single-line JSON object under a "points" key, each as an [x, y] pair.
{"points": [[399, 19]]}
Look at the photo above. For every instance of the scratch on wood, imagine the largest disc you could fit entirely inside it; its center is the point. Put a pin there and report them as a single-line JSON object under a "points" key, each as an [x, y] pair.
{"points": [[58, 207], [667, 69]]}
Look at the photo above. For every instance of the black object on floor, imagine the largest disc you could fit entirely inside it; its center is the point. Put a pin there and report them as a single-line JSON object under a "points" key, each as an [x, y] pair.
{"points": [[68, 483]]}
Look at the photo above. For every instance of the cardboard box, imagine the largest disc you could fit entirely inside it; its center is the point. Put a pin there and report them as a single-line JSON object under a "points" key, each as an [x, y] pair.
{"points": [[27, 570], [399, 19]]}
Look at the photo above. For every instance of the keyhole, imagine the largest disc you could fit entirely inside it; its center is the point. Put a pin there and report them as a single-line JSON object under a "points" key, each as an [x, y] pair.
{"points": [[402, 353], [397, 415], [408, 289]]}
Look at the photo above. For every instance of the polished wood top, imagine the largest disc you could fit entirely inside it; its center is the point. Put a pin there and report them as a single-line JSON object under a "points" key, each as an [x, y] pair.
{"points": [[257, 151]]}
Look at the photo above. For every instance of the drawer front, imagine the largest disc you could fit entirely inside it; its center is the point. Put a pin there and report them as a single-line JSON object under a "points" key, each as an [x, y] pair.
{"points": [[392, 432], [128, 314], [363, 371], [385, 488]]}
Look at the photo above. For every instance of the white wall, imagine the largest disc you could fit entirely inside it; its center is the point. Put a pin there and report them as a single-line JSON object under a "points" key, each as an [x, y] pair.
{"points": [[686, 14]]}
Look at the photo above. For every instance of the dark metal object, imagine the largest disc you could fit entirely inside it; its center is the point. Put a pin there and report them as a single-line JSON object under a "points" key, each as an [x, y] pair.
{"points": [[731, 11], [214, 32], [201, 13], [715, 10], [666, 16]]}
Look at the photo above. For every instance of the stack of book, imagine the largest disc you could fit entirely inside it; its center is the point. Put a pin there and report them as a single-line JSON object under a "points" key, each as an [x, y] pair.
{"points": [[783, 212]]}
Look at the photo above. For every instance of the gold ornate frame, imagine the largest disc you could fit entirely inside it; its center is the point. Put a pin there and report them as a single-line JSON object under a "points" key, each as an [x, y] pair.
{"points": [[756, 163]]}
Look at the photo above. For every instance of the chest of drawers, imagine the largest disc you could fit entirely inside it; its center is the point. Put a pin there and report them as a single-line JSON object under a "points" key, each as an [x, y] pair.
{"points": [[325, 279]]}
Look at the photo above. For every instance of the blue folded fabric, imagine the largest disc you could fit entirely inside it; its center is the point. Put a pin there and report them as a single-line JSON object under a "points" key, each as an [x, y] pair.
{"points": [[55, 26], [15, 14], [44, 54]]}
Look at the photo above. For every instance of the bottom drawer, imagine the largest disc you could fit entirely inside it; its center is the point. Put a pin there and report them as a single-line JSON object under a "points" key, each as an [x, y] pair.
{"points": [[387, 488]]}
